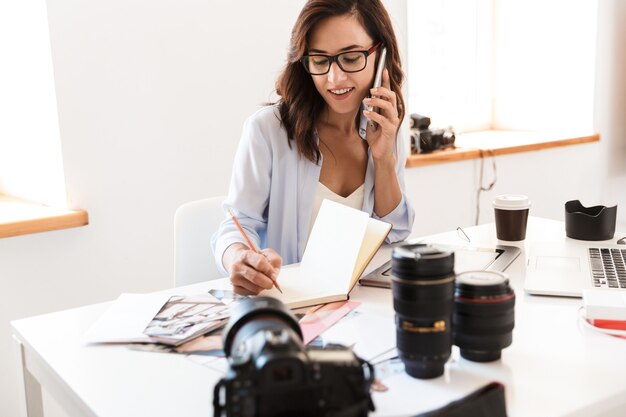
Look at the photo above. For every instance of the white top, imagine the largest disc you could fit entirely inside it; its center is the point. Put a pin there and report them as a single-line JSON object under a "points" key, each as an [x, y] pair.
{"points": [[272, 190], [354, 200]]}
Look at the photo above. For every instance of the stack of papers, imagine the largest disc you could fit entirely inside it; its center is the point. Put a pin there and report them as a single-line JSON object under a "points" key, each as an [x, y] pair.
{"points": [[184, 318], [158, 318]]}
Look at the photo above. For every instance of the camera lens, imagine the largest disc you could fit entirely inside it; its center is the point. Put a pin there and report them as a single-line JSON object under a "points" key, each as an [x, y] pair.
{"points": [[258, 315], [484, 316], [422, 285]]}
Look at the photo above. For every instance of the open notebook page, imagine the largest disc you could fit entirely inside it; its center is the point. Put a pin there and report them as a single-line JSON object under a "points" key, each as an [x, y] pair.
{"points": [[335, 242], [375, 235], [301, 289], [328, 263]]}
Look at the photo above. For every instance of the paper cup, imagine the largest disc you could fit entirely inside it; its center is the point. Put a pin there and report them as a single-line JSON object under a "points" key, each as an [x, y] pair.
{"points": [[511, 213]]}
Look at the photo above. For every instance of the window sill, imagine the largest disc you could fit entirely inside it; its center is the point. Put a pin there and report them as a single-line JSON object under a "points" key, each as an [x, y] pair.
{"points": [[497, 142], [19, 217]]}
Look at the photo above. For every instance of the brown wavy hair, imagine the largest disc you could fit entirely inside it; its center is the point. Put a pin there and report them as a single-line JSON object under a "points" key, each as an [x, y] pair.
{"points": [[300, 104]]}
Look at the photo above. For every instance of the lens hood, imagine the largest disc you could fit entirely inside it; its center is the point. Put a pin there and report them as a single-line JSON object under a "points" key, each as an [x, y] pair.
{"points": [[589, 223]]}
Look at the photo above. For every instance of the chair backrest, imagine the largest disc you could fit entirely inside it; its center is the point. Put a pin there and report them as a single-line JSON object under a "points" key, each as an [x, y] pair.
{"points": [[194, 224]]}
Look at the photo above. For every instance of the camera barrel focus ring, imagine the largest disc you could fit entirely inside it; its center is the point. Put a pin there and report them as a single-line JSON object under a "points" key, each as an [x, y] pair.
{"points": [[445, 280]]}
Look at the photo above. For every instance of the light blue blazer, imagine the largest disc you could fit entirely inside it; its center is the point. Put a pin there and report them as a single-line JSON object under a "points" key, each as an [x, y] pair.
{"points": [[272, 191]]}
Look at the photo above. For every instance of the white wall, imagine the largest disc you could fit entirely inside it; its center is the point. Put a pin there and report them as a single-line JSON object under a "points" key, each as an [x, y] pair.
{"points": [[444, 195], [610, 99], [151, 98]]}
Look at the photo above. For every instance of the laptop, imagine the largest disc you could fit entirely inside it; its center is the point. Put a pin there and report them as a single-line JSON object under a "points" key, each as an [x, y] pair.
{"points": [[466, 258], [567, 268]]}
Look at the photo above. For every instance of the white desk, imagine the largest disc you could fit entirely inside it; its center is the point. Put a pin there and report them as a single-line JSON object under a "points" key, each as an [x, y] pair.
{"points": [[555, 367]]}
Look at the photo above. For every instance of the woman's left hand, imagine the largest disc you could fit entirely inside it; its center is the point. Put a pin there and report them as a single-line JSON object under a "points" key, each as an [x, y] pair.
{"points": [[382, 138]]}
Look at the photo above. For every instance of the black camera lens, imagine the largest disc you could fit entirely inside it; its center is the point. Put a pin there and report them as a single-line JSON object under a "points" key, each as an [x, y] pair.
{"points": [[484, 315], [258, 314], [422, 284]]}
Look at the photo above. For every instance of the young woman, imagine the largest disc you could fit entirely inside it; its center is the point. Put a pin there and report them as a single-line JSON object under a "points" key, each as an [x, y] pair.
{"points": [[307, 146]]}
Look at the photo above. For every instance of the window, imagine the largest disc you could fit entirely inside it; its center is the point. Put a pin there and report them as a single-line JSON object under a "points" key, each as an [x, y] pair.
{"points": [[502, 64], [30, 149]]}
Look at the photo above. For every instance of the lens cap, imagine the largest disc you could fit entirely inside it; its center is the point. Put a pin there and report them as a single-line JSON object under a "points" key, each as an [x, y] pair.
{"points": [[483, 278], [483, 282], [420, 260]]}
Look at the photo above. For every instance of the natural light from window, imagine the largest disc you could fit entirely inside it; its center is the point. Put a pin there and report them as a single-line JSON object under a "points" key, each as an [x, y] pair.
{"points": [[31, 165], [503, 64]]}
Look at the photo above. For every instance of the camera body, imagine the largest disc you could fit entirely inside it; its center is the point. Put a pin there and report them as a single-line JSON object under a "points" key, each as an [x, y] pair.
{"points": [[273, 374], [424, 139]]}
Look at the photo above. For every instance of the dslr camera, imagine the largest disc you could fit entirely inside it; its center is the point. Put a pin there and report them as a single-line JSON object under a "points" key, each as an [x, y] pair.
{"points": [[272, 373], [424, 139]]}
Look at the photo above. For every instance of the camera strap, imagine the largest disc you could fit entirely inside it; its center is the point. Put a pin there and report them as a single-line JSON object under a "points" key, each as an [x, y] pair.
{"points": [[487, 401], [218, 397]]}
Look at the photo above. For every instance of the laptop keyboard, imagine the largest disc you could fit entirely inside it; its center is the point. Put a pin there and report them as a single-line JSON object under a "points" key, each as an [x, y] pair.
{"points": [[608, 267]]}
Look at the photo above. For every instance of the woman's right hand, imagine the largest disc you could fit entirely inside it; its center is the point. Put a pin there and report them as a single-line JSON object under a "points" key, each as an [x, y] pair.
{"points": [[251, 272]]}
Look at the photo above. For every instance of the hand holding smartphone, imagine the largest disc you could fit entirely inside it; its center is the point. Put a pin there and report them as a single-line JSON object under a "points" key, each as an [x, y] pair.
{"points": [[378, 81]]}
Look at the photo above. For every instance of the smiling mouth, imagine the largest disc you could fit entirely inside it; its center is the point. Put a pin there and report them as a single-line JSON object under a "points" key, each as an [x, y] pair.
{"points": [[341, 91]]}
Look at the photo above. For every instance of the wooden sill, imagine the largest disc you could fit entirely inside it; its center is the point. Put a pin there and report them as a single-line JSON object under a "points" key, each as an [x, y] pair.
{"points": [[19, 217], [497, 142]]}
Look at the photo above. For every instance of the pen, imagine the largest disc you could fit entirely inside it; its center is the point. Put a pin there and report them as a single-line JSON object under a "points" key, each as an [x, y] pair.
{"points": [[250, 245]]}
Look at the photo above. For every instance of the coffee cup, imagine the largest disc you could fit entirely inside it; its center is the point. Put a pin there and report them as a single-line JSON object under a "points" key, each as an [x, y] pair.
{"points": [[511, 213]]}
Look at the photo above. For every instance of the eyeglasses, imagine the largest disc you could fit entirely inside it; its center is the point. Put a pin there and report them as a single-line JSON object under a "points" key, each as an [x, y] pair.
{"points": [[352, 61]]}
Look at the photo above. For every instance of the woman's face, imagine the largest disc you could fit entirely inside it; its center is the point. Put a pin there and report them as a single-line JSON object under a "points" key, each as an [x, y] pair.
{"points": [[342, 91]]}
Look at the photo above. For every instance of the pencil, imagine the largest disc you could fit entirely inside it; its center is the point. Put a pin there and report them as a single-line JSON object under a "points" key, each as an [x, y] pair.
{"points": [[250, 245]]}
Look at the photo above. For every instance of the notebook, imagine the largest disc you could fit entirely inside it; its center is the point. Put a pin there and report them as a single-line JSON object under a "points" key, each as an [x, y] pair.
{"points": [[569, 267], [342, 242]]}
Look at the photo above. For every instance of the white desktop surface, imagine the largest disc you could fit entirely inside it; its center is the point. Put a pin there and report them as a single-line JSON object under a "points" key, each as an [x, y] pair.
{"points": [[555, 366]]}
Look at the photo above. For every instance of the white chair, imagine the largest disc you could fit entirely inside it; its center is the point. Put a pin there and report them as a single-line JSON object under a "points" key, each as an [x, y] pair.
{"points": [[194, 224]]}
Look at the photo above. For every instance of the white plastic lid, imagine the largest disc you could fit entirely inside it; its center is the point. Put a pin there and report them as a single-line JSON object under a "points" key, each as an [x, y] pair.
{"points": [[482, 278], [511, 202]]}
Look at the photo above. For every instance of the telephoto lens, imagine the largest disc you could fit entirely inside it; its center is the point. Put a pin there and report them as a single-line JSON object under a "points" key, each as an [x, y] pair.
{"points": [[484, 315], [422, 285]]}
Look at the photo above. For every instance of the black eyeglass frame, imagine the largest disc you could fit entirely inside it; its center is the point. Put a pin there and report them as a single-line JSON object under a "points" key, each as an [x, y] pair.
{"points": [[335, 58]]}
